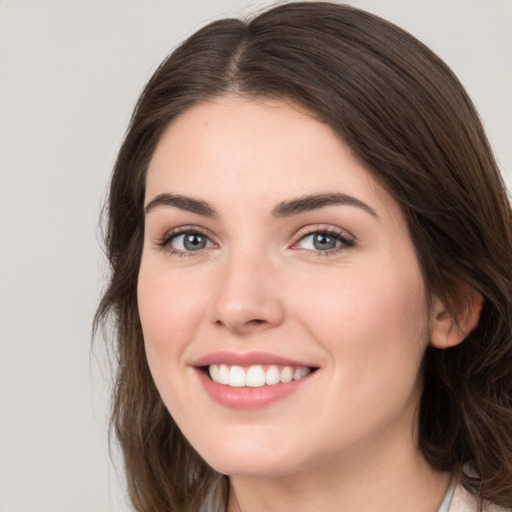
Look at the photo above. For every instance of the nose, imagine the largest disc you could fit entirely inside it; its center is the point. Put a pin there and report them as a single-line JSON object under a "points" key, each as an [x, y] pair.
{"points": [[247, 299]]}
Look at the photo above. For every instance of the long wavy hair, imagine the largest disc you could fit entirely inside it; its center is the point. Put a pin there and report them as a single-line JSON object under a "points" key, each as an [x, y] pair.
{"points": [[407, 117]]}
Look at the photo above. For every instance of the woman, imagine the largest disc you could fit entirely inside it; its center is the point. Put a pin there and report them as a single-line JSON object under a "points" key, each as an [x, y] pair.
{"points": [[311, 276]]}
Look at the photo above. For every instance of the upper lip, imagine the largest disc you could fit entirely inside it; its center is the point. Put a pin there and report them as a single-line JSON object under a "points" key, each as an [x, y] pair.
{"points": [[249, 359]]}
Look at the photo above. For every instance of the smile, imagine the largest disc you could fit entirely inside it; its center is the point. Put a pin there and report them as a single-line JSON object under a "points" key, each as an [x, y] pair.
{"points": [[252, 380], [255, 376]]}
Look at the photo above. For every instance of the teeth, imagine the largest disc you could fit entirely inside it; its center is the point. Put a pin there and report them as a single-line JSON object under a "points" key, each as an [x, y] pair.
{"points": [[255, 376], [286, 374], [300, 372], [272, 376], [223, 374], [237, 377], [215, 372]]}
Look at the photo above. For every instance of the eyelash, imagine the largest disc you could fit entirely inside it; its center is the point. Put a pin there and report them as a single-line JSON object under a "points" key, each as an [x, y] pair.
{"points": [[346, 241], [165, 241]]}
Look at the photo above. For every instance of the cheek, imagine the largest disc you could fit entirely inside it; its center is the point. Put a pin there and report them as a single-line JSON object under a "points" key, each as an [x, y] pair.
{"points": [[371, 317], [373, 327], [170, 310]]}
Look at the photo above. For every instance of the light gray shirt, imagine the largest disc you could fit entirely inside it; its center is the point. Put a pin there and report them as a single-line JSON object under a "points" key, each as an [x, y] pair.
{"points": [[458, 499]]}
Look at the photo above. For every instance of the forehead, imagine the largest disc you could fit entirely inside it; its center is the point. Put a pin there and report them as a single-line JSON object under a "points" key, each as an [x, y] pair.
{"points": [[239, 150]]}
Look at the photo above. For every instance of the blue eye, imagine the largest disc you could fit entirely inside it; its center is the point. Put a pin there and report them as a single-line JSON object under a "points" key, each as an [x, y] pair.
{"points": [[323, 241], [189, 241]]}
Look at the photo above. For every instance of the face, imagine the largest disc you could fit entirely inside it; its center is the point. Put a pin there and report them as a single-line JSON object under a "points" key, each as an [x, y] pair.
{"points": [[282, 305]]}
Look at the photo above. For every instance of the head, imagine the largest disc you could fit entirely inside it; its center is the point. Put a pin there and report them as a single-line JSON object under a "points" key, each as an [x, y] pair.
{"points": [[407, 121]]}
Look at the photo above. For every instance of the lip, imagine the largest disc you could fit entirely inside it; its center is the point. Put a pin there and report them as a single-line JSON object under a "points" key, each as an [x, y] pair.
{"points": [[249, 359], [246, 397], [250, 398]]}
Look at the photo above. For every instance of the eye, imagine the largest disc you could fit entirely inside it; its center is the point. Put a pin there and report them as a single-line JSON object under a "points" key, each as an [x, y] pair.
{"points": [[186, 242], [324, 241], [189, 242]]}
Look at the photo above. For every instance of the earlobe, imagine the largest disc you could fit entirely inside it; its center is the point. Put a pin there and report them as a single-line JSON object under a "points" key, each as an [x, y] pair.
{"points": [[448, 329]]}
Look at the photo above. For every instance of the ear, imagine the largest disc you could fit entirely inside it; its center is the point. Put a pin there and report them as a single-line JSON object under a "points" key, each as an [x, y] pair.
{"points": [[449, 327]]}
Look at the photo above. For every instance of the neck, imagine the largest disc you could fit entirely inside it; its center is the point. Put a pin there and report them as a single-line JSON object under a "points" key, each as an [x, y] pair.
{"points": [[387, 478]]}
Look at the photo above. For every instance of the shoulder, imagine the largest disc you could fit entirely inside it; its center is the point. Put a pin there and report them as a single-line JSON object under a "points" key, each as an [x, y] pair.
{"points": [[464, 501]]}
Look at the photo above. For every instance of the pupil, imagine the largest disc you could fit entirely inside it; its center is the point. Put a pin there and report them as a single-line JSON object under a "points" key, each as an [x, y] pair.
{"points": [[193, 242], [324, 242]]}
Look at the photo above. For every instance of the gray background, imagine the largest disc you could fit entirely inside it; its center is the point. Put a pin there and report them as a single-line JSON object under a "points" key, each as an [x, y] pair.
{"points": [[70, 72]]}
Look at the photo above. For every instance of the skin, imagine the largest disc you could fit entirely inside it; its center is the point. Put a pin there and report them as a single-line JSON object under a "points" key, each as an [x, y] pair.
{"points": [[347, 439]]}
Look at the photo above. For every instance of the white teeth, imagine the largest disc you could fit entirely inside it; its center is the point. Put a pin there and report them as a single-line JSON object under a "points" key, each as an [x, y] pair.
{"points": [[300, 372], [223, 374], [214, 372], [286, 374], [272, 376], [255, 376], [237, 377]]}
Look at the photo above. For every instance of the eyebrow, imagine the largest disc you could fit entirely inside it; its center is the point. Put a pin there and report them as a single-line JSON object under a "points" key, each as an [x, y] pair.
{"points": [[283, 209], [313, 202], [183, 203]]}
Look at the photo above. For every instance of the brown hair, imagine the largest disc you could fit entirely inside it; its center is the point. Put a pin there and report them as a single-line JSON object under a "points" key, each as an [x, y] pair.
{"points": [[409, 120]]}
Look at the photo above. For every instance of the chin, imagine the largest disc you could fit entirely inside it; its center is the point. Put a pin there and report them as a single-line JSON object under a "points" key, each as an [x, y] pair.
{"points": [[260, 467], [249, 457]]}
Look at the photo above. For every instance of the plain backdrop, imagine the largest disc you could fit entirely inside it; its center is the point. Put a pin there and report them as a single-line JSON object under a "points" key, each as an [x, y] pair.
{"points": [[70, 72]]}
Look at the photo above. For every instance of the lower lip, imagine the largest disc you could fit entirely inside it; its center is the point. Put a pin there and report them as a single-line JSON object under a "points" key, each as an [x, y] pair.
{"points": [[249, 398]]}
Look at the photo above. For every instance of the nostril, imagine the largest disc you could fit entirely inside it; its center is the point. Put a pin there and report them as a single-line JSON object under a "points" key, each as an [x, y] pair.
{"points": [[247, 326], [256, 321]]}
